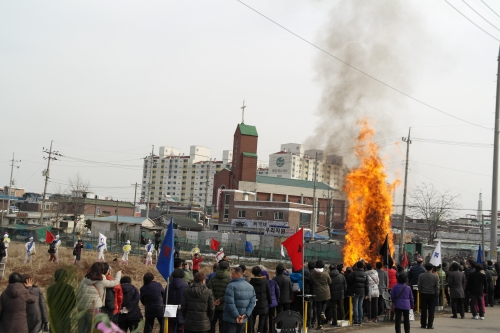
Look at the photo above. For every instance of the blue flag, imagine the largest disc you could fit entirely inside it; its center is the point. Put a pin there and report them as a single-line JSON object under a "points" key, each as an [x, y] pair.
{"points": [[165, 264], [248, 247], [479, 255]]}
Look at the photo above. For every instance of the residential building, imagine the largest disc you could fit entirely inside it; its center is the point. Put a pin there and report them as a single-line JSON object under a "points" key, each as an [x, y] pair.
{"points": [[128, 227]]}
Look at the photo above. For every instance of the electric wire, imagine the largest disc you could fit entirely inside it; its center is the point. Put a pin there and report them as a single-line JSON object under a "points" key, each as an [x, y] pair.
{"points": [[490, 8], [365, 73], [480, 15]]}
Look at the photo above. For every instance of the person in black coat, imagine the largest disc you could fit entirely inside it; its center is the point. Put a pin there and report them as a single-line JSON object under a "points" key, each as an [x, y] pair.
{"points": [[476, 287], [109, 301], [358, 285], [153, 299], [491, 275], [263, 294], [176, 290], [285, 285], [338, 289], [130, 313]]}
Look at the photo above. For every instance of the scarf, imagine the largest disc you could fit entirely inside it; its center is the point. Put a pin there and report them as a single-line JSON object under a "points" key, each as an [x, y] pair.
{"points": [[100, 246], [319, 270], [118, 295], [149, 247], [30, 246]]}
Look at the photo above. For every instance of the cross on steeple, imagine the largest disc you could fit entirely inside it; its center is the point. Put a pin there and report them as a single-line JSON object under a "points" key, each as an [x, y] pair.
{"points": [[243, 113]]}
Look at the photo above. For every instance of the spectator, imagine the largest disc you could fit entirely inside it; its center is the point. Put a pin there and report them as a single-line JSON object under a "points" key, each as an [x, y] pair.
{"points": [[285, 286], [215, 267], [263, 295], [492, 275], [239, 301], [469, 267], [177, 251], [218, 286], [428, 258], [456, 283], [275, 296], [321, 284], [3, 252], [52, 251], [373, 293], [90, 294], [403, 301], [176, 291], [391, 272], [357, 282], [13, 304], [197, 306], [130, 313], [442, 285], [296, 280], [153, 299], [61, 300], [383, 282], [413, 275], [36, 312], [157, 240], [428, 286], [338, 289], [446, 292], [114, 297], [197, 259], [476, 286], [188, 273], [244, 269], [77, 251]]}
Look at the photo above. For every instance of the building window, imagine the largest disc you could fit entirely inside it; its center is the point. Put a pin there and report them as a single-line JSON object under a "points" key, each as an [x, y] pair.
{"points": [[226, 213], [259, 214], [226, 199], [241, 213], [305, 218], [278, 215]]}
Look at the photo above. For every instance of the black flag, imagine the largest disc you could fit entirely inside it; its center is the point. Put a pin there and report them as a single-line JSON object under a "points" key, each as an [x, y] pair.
{"points": [[386, 253]]}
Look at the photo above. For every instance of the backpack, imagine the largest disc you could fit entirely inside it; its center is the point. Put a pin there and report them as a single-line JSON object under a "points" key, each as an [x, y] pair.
{"points": [[295, 287]]}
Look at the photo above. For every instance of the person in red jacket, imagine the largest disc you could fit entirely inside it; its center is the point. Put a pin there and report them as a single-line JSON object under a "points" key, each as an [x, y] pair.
{"points": [[196, 263], [392, 277]]}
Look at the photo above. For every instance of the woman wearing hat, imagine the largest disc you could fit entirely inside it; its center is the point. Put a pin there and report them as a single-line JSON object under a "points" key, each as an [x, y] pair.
{"points": [[126, 250], [30, 250]]}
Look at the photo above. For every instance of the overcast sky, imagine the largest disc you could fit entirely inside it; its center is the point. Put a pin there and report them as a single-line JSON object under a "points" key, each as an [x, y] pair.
{"points": [[105, 80]]}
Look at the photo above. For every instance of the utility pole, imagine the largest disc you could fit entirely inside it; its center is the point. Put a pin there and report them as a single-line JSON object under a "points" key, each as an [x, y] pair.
{"points": [[401, 240], [116, 212], [494, 187], [313, 220], [135, 193], [9, 188], [46, 173], [149, 182], [206, 190]]}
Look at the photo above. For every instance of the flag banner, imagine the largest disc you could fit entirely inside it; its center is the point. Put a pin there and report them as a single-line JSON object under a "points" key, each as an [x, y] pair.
{"points": [[165, 263], [219, 255], [479, 259], [386, 253], [436, 256], [104, 238], [404, 262], [248, 247], [214, 244], [295, 246], [282, 251], [49, 237]]}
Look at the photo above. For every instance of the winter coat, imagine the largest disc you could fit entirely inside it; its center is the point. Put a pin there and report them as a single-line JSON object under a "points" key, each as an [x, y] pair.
{"points": [[357, 281], [176, 291], [428, 283], [131, 298], [442, 278], [285, 285], [197, 307], [218, 286], [13, 301], [209, 276], [321, 285], [489, 280], [275, 293], [61, 300], [37, 312], [476, 284], [456, 283], [372, 283], [263, 295], [113, 301], [338, 287], [392, 277], [239, 299], [91, 293], [296, 278], [383, 281], [308, 283], [196, 263], [153, 299], [413, 274], [188, 276], [405, 300]]}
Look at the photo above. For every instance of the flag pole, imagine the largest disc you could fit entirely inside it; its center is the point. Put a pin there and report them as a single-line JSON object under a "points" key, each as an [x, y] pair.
{"points": [[303, 281]]}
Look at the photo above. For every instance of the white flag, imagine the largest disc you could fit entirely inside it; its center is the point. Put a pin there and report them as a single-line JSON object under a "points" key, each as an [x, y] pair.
{"points": [[436, 256], [282, 251], [104, 238]]}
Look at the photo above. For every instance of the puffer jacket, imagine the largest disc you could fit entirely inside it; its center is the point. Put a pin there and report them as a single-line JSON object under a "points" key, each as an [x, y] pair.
{"points": [[321, 284], [285, 285], [218, 286], [197, 307], [239, 299], [263, 295], [338, 287], [153, 299], [403, 296], [275, 293], [37, 312], [131, 298], [176, 291], [392, 277], [357, 281], [91, 293], [372, 276], [13, 308]]}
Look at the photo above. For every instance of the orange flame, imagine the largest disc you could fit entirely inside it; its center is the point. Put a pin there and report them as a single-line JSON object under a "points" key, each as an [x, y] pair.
{"points": [[370, 203]]}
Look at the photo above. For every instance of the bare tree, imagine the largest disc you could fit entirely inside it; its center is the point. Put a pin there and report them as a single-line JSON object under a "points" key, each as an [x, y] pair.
{"points": [[78, 189], [434, 207]]}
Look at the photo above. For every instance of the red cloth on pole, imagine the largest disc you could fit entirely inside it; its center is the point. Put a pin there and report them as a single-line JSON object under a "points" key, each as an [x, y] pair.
{"points": [[404, 262], [295, 247], [214, 244], [49, 237]]}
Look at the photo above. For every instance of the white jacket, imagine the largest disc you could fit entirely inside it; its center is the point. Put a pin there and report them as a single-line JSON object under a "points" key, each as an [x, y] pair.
{"points": [[91, 293], [372, 277]]}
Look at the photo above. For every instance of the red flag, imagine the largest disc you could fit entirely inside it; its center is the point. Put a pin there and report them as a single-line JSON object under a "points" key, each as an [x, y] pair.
{"points": [[404, 262], [295, 247], [214, 244], [49, 237]]}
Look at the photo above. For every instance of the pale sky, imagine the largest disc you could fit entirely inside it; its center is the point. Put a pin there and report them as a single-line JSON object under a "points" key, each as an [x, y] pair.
{"points": [[107, 79]]}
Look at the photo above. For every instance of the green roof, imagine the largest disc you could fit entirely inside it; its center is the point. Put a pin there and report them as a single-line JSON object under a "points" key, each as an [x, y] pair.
{"points": [[246, 154], [292, 182], [90, 201], [248, 130]]}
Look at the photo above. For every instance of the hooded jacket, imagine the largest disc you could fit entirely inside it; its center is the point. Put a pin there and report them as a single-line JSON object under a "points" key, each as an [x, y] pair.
{"points": [[338, 287], [218, 286], [263, 295], [197, 307], [321, 284], [392, 277], [275, 293], [476, 284], [372, 276], [176, 291], [91, 293], [153, 299], [239, 299], [414, 273], [285, 285], [357, 282], [37, 312], [131, 298], [403, 296], [13, 302]]}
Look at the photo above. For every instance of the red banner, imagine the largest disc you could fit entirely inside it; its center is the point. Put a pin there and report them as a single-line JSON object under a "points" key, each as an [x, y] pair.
{"points": [[214, 244], [49, 237], [295, 247]]}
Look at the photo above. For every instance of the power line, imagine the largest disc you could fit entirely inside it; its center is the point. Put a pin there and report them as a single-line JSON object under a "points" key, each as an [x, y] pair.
{"points": [[480, 15], [468, 19], [364, 73], [442, 167], [490, 8], [456, 143]]}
